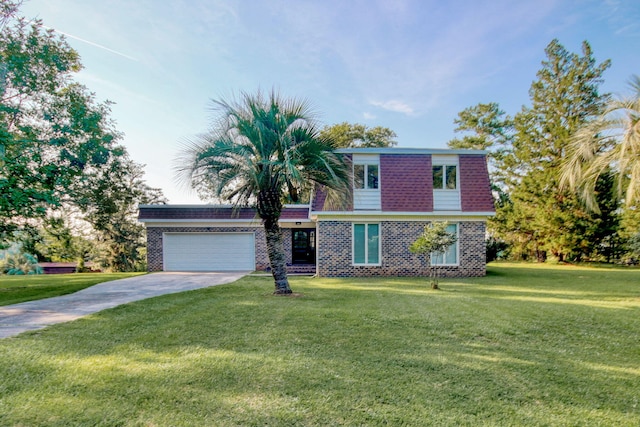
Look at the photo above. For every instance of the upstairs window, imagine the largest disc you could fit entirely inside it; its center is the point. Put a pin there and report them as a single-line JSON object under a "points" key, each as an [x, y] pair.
{"points": [[445, 177], [365, 176]]}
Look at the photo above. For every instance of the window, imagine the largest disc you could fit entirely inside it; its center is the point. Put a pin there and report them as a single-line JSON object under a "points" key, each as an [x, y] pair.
{"points": [[451, 256], [445, 177], [365, 176], [366, 244]]}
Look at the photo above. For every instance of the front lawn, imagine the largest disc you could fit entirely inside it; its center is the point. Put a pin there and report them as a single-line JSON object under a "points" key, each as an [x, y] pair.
{"points": [[526, 345], [15, 289]]}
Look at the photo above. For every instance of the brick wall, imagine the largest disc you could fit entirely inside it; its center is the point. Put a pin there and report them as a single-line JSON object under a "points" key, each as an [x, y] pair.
{"points": [[334, 249], [335, 257], [154, 243]]}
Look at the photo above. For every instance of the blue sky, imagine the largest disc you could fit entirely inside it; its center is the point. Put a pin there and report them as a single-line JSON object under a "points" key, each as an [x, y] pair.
{"points": [[407, 65]]}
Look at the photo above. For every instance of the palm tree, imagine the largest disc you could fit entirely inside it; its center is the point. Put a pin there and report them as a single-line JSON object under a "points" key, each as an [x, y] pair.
{"points": [[611, 142], [263, 151]]}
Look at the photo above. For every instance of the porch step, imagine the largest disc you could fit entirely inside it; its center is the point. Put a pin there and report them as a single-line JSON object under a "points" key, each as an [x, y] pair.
{"points": [[309, 269], [301, 269]]}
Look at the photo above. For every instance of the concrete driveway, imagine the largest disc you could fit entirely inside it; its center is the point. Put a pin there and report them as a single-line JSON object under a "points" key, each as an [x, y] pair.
{"points": [[28, 316]]}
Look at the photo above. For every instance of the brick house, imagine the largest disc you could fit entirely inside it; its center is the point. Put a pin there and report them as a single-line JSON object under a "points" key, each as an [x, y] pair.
{"points": [[396, 192]]}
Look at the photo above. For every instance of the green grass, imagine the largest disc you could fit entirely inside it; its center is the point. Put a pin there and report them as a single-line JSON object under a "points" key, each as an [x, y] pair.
{"points": [[526, 345], [16, 289]]}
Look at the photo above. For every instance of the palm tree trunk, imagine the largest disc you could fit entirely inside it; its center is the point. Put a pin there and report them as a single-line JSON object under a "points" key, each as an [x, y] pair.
{"points": [[269, 209], [277, 257]]}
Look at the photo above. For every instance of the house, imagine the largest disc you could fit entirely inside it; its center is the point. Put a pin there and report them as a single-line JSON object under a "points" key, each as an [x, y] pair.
{"points": [[66, 267], [58, 267], [396, 192]]}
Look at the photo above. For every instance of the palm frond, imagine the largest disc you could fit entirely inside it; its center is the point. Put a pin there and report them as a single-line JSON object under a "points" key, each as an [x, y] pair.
{"points": [[611, 142], [261, 142]]}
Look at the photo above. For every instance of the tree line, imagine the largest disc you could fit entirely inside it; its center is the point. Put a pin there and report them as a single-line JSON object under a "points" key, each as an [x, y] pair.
{"points": [[564, 169], [69, 190]]}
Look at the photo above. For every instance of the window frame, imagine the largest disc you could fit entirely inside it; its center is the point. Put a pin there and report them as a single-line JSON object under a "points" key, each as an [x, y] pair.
{"points": [[444, 167], [365, 179], [433, 255], [366, 246]]}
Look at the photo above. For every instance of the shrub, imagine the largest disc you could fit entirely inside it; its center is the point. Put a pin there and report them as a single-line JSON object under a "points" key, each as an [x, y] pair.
{"points": [[15, 262], [496, 249]]}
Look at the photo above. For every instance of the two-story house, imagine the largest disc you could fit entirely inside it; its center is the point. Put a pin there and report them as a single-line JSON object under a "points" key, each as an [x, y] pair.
{"points": [[396, 192]]}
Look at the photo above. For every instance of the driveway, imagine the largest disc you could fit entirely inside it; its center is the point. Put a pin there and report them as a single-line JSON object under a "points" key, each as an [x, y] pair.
{"points": [[32, 315]]}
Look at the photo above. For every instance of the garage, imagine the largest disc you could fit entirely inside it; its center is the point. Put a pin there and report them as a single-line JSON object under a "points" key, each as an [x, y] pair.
{"points": [[208, 251]]}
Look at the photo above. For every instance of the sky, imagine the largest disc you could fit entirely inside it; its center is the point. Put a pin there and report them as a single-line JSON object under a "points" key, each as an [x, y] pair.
{"points": [[409, 65]]}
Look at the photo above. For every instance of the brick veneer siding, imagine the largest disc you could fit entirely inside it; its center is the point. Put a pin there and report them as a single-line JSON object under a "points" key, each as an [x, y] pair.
{"points": [[335, 257], [475, 189], [406, 184], [154, 243]]}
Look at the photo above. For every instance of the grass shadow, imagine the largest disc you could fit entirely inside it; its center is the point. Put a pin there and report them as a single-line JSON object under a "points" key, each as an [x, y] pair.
{"points": [[351, 352]]}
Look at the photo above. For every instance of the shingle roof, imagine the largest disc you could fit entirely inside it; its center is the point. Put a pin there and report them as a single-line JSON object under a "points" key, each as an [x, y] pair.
{"points": [[204, 212]]}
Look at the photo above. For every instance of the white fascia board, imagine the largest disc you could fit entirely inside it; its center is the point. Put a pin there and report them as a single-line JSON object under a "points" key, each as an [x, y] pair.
{"points": [[292, 225], [404, 216], [170, 206], [288, 223], [409, 151], [150, 223], [297, 205]]}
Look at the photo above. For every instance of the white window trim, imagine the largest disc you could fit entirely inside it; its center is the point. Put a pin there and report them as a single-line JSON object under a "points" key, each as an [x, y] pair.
{"points": [[366, 247], [444, 176], [457, 263], [366, 174]]}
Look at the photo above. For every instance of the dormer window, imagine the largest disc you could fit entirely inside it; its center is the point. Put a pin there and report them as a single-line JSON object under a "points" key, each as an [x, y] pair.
{"points": [[365, 176], [366, 182], [446, 188], [445, 177]]}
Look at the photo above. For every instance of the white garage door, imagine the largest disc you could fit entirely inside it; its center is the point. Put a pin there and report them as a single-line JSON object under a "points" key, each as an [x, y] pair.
{"points": [[208, 251]]}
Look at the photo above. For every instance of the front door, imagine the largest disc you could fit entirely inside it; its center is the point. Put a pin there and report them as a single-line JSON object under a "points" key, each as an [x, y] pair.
{"points": [[303, 246]]}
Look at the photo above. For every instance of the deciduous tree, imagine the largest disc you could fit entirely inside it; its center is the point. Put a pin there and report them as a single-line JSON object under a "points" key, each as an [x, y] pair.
{"points": [[349, 135], [108, 199], [434, 240], [51, 128]]}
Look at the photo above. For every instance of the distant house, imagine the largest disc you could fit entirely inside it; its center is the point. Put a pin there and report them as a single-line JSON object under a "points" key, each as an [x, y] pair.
{"points": [[58, 267], [66, 267], [396, 192]]}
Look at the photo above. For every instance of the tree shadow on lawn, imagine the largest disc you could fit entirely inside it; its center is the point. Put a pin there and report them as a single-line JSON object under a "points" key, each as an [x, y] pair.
{"points": [[325, 378], [346, 353], [566, 289]]}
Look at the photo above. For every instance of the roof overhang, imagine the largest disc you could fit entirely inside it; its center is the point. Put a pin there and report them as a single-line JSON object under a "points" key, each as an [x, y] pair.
{"points": [[440, 151], [401, 216]]}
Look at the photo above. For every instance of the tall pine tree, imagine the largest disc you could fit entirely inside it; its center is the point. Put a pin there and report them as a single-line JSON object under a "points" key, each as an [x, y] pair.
{"points": [[543, 219]]}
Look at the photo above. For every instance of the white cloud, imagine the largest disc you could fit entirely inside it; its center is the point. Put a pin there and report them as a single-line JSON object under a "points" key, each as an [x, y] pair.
{"points": [[368, 116], [395, 106]]}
